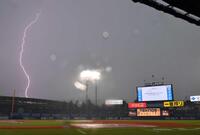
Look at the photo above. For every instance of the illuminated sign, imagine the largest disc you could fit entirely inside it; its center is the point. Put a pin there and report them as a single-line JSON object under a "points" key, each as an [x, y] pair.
{"points": [[165, 113], [148, 112], [137, 105], [114, 102], [195, 98], [155, 104], [174, 104], [132, 114]]}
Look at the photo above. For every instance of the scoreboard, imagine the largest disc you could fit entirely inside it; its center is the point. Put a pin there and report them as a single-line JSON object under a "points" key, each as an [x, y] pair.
{"points": [[155, 93]]}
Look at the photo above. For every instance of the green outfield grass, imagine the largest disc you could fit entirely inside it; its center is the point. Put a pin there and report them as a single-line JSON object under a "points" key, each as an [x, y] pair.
{"points": [[66, 122], [119, 131], [109, 131], [35, 123]]}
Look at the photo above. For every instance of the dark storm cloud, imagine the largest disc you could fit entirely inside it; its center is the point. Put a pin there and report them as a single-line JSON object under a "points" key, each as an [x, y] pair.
{"points": [[68, 38]]}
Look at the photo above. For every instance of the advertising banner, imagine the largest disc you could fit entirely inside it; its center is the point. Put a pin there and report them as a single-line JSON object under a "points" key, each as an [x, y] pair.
{"points": [[173, 104], [133, 105], [195, 98], [165, 113], [132, 114], [114, 102], [155, 104], [148, 112]]}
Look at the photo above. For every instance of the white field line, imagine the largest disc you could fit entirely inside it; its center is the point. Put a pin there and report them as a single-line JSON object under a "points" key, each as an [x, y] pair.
{"points": [[170, 129], [162, 129], [81, 131], [184, 129]]}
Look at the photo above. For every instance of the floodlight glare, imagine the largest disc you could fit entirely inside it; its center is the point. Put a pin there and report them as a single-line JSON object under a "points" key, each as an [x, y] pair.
{"points": [[80, 86], [90, 75]]}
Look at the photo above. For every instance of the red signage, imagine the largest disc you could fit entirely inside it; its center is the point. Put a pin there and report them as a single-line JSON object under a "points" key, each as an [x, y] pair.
{"points": [[137, 105]]}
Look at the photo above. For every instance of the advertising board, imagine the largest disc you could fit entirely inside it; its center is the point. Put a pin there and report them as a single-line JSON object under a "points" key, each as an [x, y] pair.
{"points": [[114, 102], [132, 114], [173, 104], [165, 113], [195, 98], [133, 105], [155, 104], [148, 112]]}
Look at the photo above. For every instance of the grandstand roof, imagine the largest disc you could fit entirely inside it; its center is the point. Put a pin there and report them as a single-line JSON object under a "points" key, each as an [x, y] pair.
{"points": [[185, 9]]}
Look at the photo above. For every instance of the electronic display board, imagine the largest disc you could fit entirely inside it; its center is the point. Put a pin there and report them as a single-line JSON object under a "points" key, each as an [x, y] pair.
{"points": [[173, 104], [148, 112], [132, 114], [155, 93], [114, 102], [158, 104], [165, 113], [195, 98], [133, 105]]}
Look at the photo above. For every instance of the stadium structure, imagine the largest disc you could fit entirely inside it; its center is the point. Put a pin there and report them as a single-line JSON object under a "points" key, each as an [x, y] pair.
{"points": [[148, 105], [188, 10], [140, 108], [31, 108]]}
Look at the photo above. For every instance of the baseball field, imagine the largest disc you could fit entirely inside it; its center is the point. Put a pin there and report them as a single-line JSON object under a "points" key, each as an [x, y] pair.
{"points": [[100, 127]]}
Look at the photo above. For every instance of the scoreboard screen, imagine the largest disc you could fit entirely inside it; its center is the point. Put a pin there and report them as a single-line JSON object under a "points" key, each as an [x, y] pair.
{"points": [[155, 93]]}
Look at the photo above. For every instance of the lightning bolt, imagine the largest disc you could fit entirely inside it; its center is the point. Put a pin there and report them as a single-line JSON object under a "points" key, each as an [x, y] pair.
{"points": [[27, 28]]}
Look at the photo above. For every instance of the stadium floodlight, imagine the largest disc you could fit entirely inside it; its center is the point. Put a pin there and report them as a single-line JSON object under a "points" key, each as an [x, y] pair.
{"points": [[80, 86], [90, 75]]}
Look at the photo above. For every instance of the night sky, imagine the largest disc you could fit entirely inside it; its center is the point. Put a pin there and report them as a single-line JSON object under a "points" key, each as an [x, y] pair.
{"points": [[67, 39]]}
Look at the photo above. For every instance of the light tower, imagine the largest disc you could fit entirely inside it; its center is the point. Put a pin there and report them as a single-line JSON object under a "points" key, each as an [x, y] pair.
{"points": [[90, 76]]}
